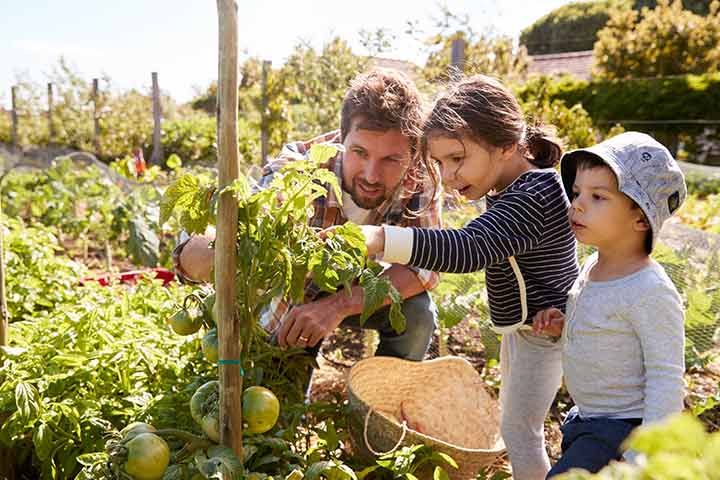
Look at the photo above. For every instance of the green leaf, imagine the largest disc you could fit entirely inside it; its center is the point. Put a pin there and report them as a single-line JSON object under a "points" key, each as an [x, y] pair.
{"points": [[367, 471], [143, 244], [440, 474], [681, 433], [315, 470], [26, 399], [321, 153], [173, 162], [445, 458], [43, 440], [178, 195]]}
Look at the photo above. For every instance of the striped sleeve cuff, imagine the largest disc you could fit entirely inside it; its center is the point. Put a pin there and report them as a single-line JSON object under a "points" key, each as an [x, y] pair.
{"points": [[398, 244]]}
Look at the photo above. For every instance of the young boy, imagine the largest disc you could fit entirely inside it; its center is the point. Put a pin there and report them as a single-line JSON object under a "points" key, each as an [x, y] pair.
{"points": [[622, 336]]}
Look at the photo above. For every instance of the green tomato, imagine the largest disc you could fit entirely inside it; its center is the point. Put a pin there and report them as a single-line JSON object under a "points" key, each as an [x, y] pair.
{"points": [[260, 409], [135, 429], [184, 322], [210, 345], [148, 456], [205, 409]]}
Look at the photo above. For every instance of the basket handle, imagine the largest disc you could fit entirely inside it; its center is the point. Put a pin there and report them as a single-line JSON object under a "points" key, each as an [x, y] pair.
{"points": [[367, 442]]}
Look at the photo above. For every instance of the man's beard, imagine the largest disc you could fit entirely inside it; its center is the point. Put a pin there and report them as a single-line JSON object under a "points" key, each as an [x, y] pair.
{"points": [[364, 202]]}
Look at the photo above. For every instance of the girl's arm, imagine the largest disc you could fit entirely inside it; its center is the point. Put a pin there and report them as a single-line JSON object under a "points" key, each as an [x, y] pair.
{"points": [[513, 225]]}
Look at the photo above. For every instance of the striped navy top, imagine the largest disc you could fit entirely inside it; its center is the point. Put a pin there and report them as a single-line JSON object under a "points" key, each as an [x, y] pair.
{"points": [[528, 220]]}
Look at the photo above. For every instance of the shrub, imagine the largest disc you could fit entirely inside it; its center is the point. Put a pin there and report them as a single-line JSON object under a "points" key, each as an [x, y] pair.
{"points": [[664, 41]]}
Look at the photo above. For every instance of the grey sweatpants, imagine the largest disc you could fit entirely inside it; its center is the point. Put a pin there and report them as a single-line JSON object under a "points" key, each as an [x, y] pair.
{"points": [[531, 371]]}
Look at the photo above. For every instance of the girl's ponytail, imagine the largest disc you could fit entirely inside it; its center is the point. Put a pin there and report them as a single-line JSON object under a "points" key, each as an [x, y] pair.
{"points": [[543, 145]]}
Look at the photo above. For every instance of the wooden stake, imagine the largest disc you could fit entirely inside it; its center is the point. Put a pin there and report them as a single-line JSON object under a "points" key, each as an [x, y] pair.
{"points": [[157, 154], [14, 115], [96, 116], [229, 367], [4, 313], [51, 127], [457, 59], [263, 113]]}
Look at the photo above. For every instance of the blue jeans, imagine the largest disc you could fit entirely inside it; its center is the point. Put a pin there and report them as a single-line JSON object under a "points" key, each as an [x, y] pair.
{"points": [[591, 443], [412, 344]]}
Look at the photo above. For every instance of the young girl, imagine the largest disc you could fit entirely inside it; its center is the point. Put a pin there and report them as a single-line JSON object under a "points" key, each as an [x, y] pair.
{"points": [[477, 137]]}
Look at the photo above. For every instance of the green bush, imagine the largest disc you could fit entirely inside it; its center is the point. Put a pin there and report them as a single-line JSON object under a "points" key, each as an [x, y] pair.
{"points": [[574, 124], [691, 97], [38, 280], [192, 138], [570, 28]]}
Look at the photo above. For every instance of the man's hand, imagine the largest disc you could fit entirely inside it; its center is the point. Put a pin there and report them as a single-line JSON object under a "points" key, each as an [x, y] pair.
{"points": [[307, 325], [549, 322], [197, 258]]}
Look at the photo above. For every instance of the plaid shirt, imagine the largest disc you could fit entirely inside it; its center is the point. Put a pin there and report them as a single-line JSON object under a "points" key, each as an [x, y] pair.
{"points": [[329, 212]]}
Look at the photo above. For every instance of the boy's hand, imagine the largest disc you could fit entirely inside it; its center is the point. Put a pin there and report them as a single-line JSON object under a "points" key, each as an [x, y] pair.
{"points": [[374, 237], [549, 322]]}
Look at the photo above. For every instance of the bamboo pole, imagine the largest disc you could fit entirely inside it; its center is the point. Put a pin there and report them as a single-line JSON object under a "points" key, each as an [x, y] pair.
{"points": [[229, 367], [157, 153]]}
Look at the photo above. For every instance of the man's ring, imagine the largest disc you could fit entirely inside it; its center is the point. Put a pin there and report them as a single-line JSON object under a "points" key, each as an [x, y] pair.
{"points": [[303, 339]]}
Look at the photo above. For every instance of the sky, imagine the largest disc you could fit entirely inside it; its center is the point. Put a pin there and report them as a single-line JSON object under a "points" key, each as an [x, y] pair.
{"points": [[127, 40]]}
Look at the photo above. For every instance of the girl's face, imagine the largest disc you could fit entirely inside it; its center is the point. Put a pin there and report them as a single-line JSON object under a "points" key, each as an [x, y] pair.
{"points": [[471, 168]]}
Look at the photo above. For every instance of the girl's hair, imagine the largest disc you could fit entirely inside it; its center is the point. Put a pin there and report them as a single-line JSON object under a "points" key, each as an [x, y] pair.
{"points": [[481, 108]]}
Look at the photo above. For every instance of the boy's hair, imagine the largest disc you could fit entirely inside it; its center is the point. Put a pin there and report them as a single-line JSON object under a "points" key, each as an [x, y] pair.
{"points": [[388, 100], [483, 109], [587, 161]]}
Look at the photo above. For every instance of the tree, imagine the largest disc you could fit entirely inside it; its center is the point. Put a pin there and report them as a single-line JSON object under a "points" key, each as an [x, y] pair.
{"points": [[316, 84], [701, 7], [495, 56], [570, 28], [667, 40]]}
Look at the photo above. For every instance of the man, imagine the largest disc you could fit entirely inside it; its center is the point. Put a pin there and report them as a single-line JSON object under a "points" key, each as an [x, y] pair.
{"points": [[380, 131]]}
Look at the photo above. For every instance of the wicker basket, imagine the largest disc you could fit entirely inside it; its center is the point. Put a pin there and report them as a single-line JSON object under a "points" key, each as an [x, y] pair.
{"points": [[441, 403]]}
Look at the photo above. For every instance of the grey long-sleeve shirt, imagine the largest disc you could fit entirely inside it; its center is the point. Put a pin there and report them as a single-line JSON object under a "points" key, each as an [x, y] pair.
{"points": [[623, 345]]}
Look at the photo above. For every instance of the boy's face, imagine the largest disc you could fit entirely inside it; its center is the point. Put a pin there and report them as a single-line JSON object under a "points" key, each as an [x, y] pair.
{"points": [[601, 215]]}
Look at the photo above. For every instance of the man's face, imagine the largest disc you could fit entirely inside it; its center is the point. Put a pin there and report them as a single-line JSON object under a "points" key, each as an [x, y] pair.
{"points": [[374, 164], [601, 215]]}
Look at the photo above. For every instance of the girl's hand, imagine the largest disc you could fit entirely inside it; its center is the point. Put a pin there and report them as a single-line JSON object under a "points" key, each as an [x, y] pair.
{"points": [[549, 322], [374, 237]]}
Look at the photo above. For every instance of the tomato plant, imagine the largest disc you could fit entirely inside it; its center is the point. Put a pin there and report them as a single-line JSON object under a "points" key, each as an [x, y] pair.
{"points": [[276, 249]]}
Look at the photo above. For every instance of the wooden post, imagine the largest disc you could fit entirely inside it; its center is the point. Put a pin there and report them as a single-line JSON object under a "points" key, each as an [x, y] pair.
{"points": [[263, 114], [51, 127], [457, 59], [14, 115], [4, 313], [96, 116], [229, 367], [157, 154]]}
